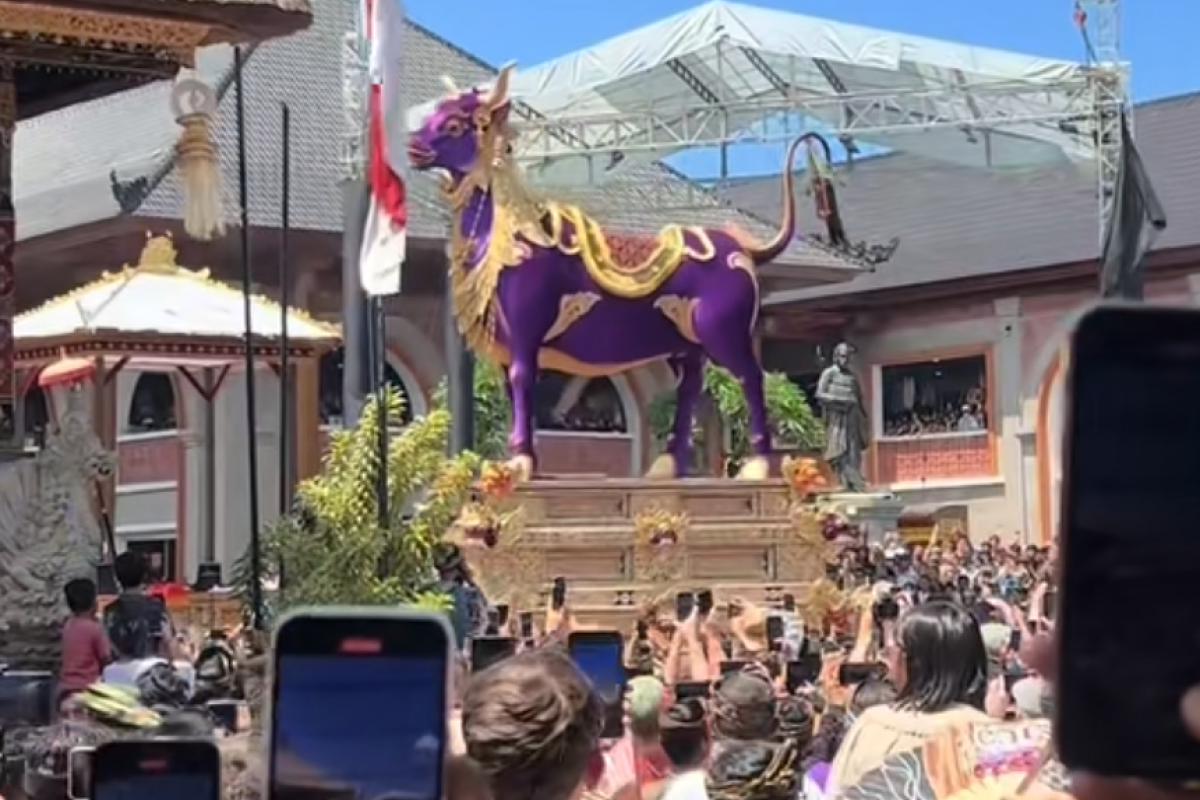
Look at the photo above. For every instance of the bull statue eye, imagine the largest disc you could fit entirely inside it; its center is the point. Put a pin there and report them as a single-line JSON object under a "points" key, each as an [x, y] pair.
{"points": [[453, 127]]}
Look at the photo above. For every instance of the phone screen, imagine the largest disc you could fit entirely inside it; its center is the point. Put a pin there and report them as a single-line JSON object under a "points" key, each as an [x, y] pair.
{"points": [[804, 670], [143, 770], [525, 621], [851, 673], [558, 594], [599, 655], [79, 778], [1130, 503], [684, 603], [699, 689], [488, 650], [774, 632], [359, 706]]}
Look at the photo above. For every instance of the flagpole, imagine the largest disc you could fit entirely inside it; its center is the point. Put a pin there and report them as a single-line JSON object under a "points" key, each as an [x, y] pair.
{"points": [[286, 426], [356, 195], [382, 500], [256, 587]]}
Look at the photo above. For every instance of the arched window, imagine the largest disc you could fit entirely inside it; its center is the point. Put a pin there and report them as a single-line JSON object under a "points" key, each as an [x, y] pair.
{"points": [[37, 416], [153, 404], [331, 369], [569, 403]]}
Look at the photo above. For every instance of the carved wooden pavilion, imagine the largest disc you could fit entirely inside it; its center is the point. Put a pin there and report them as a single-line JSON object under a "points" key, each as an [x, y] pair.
{"points": [[159, 315], [54, 53]]}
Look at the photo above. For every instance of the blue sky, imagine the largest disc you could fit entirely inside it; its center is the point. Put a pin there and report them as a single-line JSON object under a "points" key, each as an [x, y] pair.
{"points": [[1158, 35]]}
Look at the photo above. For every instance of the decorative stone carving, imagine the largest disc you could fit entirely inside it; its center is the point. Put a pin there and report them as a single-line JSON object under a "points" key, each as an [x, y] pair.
{"points": [[49, 533]]}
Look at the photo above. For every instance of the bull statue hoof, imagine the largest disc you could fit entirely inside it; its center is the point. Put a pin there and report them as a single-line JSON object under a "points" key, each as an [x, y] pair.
{"points": [[755, 468], [522, 468], [662, 468]]}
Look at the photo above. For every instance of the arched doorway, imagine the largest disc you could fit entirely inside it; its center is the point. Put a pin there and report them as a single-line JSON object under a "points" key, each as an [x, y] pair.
{"points": [[152, 408], [331, 371]]}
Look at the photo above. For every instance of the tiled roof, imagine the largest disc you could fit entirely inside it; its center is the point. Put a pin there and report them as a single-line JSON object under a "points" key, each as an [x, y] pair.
{"points": [[133, 133], [957, 223]]}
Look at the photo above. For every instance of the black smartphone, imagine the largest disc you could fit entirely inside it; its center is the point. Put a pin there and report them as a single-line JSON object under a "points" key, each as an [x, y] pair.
{"points": [[228, 714], [493, 623], [698, 689], [774, 632], [502, 614], [558, 594], [733, 666], [852, 673], [1129, 503], [140, 769], [80, 767], [525, 623], [886, 609], [802, 671], [600, 656], [684, 603], [488, 650], [1050, 604], [704, 602], [1111, 555], [1014, 641], [359, 702], [789, 603], [643, 630]]}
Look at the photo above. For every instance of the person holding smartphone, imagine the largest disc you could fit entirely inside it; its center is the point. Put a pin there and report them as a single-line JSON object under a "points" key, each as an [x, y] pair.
{"points": [[140, 630], [533, 720]]}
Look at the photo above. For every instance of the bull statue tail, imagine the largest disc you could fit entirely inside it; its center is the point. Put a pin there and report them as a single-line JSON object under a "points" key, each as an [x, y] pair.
{"points": [[770, 251]]}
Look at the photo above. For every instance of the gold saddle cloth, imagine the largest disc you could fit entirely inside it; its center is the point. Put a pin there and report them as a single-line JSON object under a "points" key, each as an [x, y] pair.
{"points": [[625, 265]]}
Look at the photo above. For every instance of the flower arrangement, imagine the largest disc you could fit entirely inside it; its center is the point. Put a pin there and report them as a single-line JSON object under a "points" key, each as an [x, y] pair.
{"points": [[660, 529], [479, 525], [803, 476], [497, 480]]}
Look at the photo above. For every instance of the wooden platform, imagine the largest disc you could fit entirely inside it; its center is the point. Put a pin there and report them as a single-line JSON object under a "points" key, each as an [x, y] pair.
{"points": [[741, 539]]}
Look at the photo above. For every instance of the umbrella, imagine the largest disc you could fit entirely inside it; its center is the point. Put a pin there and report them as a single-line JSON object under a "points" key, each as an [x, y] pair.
{"points": [[988, 761]]}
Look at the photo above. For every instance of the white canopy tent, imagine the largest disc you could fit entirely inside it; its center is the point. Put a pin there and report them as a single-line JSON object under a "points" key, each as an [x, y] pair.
{"points": [[727, 72]]}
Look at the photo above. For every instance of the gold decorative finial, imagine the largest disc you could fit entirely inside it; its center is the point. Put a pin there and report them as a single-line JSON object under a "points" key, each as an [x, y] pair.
{"points": [[451, 86], [158, 253]]}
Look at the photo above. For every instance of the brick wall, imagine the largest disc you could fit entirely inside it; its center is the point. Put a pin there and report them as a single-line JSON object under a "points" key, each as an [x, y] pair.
{"points": [[149, 460], [936, 458]]}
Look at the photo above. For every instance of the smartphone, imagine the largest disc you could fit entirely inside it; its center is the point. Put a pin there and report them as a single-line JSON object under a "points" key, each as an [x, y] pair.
{"points": [[1050, 604], [142, 769], [525, 623], [733, 666], [600, 656], [1014, 641], [774, 632], [80, 763], [489, 650], [502, 614], [789, 603], [643, 630], [684, 603], [229, 714], [886, 609], [704, 602], [493, 623], [802, 671], [1129, 502], [698, 689], [359, 702], [852, 673], [558, 594]]}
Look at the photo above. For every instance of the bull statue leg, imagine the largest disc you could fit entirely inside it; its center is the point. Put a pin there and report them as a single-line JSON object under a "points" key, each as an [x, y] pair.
{"points": [[522, 379], [728, 338], [689, 374]]}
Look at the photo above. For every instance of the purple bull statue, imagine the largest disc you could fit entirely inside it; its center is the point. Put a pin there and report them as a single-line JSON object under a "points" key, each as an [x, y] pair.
{"points": [[540, 285]]}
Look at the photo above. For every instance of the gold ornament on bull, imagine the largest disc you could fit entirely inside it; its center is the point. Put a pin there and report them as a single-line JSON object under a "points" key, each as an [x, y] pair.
{"points": [[803, 475], [194, 103], [822, 604]]}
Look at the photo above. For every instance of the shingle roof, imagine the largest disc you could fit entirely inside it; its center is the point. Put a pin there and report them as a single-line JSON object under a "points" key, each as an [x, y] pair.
{"points": [[956, 223], [133, 133]]}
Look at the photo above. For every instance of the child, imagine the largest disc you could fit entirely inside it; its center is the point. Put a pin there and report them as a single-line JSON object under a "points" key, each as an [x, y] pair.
{"points": [[84, 644]]}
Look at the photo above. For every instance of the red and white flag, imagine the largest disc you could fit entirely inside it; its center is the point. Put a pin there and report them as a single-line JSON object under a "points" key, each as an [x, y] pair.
{"points": [[384, 239]]}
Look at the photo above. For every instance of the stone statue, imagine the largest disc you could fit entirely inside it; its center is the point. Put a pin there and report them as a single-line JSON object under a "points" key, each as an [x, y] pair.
{"points": [[846, 435], [49, 534], [540, 284]]}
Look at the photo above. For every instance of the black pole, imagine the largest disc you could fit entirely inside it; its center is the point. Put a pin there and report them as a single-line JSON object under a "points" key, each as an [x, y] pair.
{"points": [[379, 329], [460, 381], [285, 302], [256, 587], [356, 319]]}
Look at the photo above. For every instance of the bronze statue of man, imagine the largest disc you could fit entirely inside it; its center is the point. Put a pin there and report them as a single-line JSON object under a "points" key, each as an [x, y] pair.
{"points": [[846, 436]]}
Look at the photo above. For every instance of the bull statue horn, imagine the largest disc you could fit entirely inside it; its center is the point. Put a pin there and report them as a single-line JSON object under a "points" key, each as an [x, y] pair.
{"points": [[499, 93], [450, 85]]}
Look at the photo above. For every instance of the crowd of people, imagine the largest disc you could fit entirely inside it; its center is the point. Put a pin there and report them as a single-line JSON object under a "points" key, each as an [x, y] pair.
{"points": [[738, 701]]}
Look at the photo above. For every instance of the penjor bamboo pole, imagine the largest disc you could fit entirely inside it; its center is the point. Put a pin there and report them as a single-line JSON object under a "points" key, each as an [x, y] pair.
{"points": [[256, 582], [286, 423]]}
